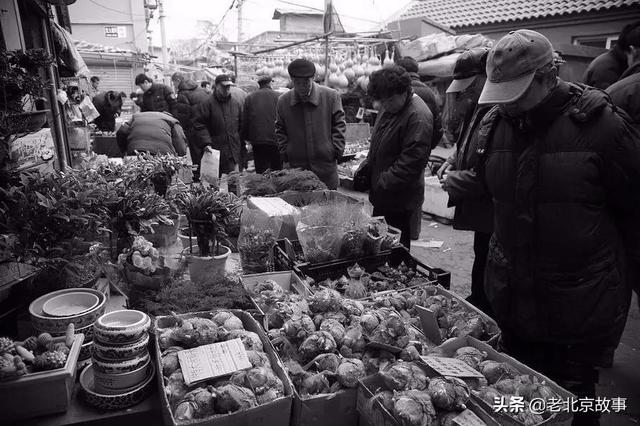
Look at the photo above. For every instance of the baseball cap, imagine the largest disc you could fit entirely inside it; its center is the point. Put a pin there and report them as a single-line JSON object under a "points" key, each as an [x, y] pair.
{"points": [[301, 68], [470, 63], [512, 64], [225, 80]]}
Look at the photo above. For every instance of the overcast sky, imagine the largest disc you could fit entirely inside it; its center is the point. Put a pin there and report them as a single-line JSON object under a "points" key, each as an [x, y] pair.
{"points": [[182, 15]]}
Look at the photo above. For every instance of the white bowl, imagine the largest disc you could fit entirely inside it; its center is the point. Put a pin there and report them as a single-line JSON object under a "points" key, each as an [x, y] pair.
{"points": [[110, 383], [55, 325], [124, 399], [70, 304], [109, 366], [121, 327]]}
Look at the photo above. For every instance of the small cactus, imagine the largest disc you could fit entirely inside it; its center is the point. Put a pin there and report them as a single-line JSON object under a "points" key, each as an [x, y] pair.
{"points": [[25, 354], [70, 335], [44, 339], [6, 345], [50, 360], [61, 347], [30, 343]]}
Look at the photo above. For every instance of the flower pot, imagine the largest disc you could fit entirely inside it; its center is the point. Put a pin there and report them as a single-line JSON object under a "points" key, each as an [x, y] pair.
{"points": [[183, 235], [203, 269], [154, 281]]}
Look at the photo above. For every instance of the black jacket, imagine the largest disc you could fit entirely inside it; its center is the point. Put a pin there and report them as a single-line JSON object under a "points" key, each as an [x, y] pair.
{"points": [[625, 93], [562, 180], [153, 132], [259, 119], [474, 209], [217, 122], [108, 104], [190, 95], [400, 148], [606, 69], [159, 97], [426, 94]]}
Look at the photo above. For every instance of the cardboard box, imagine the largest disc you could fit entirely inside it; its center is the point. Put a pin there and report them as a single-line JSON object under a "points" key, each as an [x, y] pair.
{"points": [[374, 414], [336, 409], [563, 418], [274, 413], [277, 207], [288, 280], [436, 199], [44, 392]]}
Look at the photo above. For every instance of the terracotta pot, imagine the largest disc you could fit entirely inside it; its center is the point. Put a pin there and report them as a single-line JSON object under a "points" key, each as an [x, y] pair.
{"points": [[203, 269]]}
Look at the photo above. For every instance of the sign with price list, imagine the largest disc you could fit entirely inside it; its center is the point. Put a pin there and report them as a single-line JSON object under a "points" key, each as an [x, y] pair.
{"points": [[214, 360]]}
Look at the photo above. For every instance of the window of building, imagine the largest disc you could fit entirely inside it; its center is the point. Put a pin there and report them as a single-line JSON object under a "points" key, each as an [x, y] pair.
{"points": [[603, 41]]}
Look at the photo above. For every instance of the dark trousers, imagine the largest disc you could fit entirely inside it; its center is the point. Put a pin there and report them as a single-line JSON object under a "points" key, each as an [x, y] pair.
{"points": [[416, 223], [266, 157], [570, 366], [480, 250], [400, 220]]}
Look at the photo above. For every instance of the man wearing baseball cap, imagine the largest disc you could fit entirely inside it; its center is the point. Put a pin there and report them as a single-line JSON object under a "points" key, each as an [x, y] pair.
{"points": [[217, 123], [474, 209], [562, 166], [310, 124]]}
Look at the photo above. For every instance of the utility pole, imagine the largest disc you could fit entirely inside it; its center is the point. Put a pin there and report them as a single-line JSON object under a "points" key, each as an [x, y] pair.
{"points": [[239, 6], [163, 37]]}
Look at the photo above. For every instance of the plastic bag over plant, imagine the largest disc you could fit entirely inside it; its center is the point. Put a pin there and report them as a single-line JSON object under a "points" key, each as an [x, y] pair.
{"points": [[258, 235]]}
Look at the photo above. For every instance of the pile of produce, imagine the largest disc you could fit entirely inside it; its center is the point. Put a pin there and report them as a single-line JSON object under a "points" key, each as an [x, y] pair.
{"points": [[503, 380], [270, 183], [329, 342], [142, 256], [244, 389], [454, 318], [383, 279], [416, 400], [36, 353]]}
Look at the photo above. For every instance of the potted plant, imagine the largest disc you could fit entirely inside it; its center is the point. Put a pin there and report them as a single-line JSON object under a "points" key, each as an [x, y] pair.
{"points": [[143, 266], [209, 213], [157, 169], [22, 88]]}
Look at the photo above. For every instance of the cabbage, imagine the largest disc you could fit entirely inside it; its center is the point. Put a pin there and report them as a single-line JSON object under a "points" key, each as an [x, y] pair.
{"points": [[350, 371], [298, 327], [354, 339], [385, 398], [325, 300], [333, 327], [314, 384], [413, 408], [258, 379], [317, 343], [250, 339], [448, 393], [231, 398], [494, 371], [258, 359], [403, 376], [326, 362], [352, 307]]}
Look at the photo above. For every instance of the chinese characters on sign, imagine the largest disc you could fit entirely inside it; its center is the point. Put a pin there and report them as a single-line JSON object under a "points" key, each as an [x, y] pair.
{"points": [[516, 404], [115, 31], [214, 360]]}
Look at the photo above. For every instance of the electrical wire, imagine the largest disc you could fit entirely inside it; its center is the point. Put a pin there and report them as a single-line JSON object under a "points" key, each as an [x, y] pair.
{"points": [[322, 10], [215, 30]]}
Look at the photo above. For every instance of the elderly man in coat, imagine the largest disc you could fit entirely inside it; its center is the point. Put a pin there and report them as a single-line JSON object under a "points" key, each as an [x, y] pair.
{"points": [[310, 125]]}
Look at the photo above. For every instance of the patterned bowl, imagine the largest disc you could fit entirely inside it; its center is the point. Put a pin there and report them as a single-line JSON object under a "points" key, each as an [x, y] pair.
{"points": [[120, 366], [57, 325], [113, 384], [87, 331], [125, 399], [121, 352], [121, 327], [85, 350]]}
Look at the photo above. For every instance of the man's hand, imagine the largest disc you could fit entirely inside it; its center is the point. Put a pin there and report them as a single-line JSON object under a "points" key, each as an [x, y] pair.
{"points": [[443, 170]]}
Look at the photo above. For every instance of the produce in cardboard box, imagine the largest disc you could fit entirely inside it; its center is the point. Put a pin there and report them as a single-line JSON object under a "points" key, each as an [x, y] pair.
{"points": [[448, 393], [350, 371], [413, 408], [471, 356], [402, 375]]}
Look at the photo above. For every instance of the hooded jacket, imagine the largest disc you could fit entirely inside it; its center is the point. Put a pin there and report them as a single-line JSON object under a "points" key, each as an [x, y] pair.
{"points": [[190, 95], [606, 69], [562, 179], [625, 93], [159, 97], [217, 122], [400, 148]]}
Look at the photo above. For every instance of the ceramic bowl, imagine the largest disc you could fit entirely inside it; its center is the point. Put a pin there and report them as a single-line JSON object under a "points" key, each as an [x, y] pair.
{"points": [[121, 327], [70, 304], [121, 366], [111, 384], [85, 351], [55, 325], [124, 399], [121, 352], [87, 331]]}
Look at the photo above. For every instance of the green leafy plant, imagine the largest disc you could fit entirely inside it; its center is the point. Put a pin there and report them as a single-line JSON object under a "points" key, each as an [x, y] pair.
{"points": [[157, 169], [210, 214]]}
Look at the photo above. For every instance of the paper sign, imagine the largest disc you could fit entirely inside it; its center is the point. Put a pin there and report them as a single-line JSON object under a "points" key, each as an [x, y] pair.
{"points": [[274, 206], [215, 360], [360, 113], [450, 367], [468, 418], [34, 149], [429, 324]]}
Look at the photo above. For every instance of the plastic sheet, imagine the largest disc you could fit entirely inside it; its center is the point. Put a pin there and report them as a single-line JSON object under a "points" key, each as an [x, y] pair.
{"points": [[258, 235]]}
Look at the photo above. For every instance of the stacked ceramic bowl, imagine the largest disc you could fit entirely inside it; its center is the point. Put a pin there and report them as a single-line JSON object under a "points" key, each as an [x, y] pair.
{"points": [[53, 312], [120, 362]]}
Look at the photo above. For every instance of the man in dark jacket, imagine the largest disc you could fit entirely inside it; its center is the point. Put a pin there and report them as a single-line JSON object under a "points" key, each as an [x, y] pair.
{"points": [[607, 68], [259, 121], [190, 95], [563, 168], [400, 147], [426, 94], [474, 209], [310, 125], [109, 105], [217, 123], [153, 132], [156, 96]]}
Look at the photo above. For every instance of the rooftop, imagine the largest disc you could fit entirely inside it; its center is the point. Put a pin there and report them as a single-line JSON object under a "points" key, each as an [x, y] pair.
{"points": [[464, 13]]}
